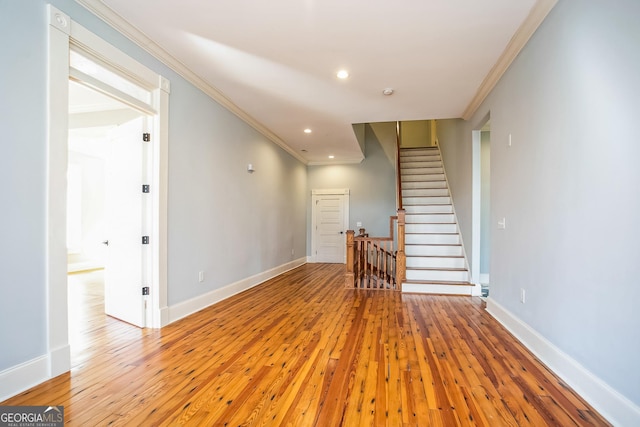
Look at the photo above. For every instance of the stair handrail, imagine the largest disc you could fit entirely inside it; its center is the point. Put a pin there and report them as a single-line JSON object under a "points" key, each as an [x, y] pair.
{"points": [[398, 174]]}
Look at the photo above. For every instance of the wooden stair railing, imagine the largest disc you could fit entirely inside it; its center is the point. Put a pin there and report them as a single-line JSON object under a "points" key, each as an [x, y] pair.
{"points": [[372, 262]]}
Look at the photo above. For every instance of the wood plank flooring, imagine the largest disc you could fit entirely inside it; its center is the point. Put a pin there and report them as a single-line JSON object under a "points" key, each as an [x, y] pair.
{"points": [[301, 350]]}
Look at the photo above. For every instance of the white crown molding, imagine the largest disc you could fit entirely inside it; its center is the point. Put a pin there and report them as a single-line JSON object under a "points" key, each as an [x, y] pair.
{"points": [[134, 34], [538, 13]]}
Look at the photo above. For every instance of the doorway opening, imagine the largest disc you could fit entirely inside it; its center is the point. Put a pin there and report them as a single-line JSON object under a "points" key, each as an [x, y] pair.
{"points": [[76, 53], [105, 137], [481, 152]]}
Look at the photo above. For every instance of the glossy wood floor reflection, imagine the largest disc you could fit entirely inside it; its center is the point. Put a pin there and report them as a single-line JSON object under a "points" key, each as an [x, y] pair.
{"points": [[300, 350]]}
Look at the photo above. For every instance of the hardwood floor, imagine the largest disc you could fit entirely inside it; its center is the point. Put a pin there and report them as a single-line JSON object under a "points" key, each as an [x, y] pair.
{"points": [[301, 350]]}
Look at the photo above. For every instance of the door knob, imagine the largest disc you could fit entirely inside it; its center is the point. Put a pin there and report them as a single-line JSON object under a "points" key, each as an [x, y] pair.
{"points": [[342, 232], [106, 242]]}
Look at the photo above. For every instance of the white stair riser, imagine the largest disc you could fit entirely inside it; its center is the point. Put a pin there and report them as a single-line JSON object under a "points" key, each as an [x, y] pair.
{"points": [[421, 171], [430, 218], [435, 250], [431, 228], [425, 192], [433, 157], [408, 166], [417, 185], [429, 209], [417, 180], [441, 289], [423, 152], [432, 239], [436, 275], [435, 262], [426, 200]]}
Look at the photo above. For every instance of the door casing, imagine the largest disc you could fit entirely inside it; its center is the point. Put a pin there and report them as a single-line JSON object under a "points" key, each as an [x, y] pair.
{"points": [[317, 195], [62, 34]]}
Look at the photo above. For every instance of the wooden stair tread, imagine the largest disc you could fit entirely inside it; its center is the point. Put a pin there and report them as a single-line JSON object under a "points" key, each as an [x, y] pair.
{"points": [[426, 232], [415, 174], [432, 244], [430, 223], [429, 205], [430, 213], [436, 282], [433, 256]]}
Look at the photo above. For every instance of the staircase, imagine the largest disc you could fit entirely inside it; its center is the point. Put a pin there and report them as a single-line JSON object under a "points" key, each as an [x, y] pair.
{"points": [[435, 261]]}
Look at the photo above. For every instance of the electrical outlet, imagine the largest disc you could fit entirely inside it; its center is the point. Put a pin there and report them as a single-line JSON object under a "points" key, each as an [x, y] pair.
{"points": [[359, 224], [201, 276], [522, 295]]}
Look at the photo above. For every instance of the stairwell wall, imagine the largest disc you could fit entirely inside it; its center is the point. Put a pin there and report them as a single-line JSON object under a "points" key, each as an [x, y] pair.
{"points": [[569, 190], [371, 184]]}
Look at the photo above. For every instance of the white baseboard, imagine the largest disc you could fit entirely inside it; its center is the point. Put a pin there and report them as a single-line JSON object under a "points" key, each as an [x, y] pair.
{"points": [[60, 360], [184, 309], [24, 376], [612, 405], [29, 374]]}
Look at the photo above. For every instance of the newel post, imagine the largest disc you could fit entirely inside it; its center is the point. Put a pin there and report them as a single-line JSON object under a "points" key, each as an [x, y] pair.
{"points": [[401, 258], [349, 279]]}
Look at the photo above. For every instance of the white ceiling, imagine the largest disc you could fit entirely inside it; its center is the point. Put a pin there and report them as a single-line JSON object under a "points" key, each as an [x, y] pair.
{"points": [[277, 61]]}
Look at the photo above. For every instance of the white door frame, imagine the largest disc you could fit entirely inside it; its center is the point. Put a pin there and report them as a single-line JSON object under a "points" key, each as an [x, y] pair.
{"points": [[315, 195], [62, 33], [476, 205]]}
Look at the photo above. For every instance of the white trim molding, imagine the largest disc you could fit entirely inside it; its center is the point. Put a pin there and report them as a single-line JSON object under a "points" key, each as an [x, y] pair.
{"points": [[538, 13], [62, 33], [616, 408], [186, 308]]}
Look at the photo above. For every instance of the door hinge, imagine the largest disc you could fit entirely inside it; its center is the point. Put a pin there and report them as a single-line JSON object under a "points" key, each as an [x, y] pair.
{"points": [[145, 290], [145, 188], [146, 137], [145, 240]]}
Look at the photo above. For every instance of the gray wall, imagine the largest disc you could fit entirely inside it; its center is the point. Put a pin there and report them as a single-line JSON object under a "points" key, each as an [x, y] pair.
{"points": [[371, 184], [221, 219], [569, 186], [22, 182]]}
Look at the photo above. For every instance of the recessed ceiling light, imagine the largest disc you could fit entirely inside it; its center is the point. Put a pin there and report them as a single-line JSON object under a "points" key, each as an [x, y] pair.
{"points": [[342, 74], [332, 157], [388, 91], [307, 130]]}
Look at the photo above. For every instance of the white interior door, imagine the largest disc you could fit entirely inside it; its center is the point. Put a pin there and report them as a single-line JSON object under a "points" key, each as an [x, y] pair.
{"points": [[124, 223], [330, 226]]}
